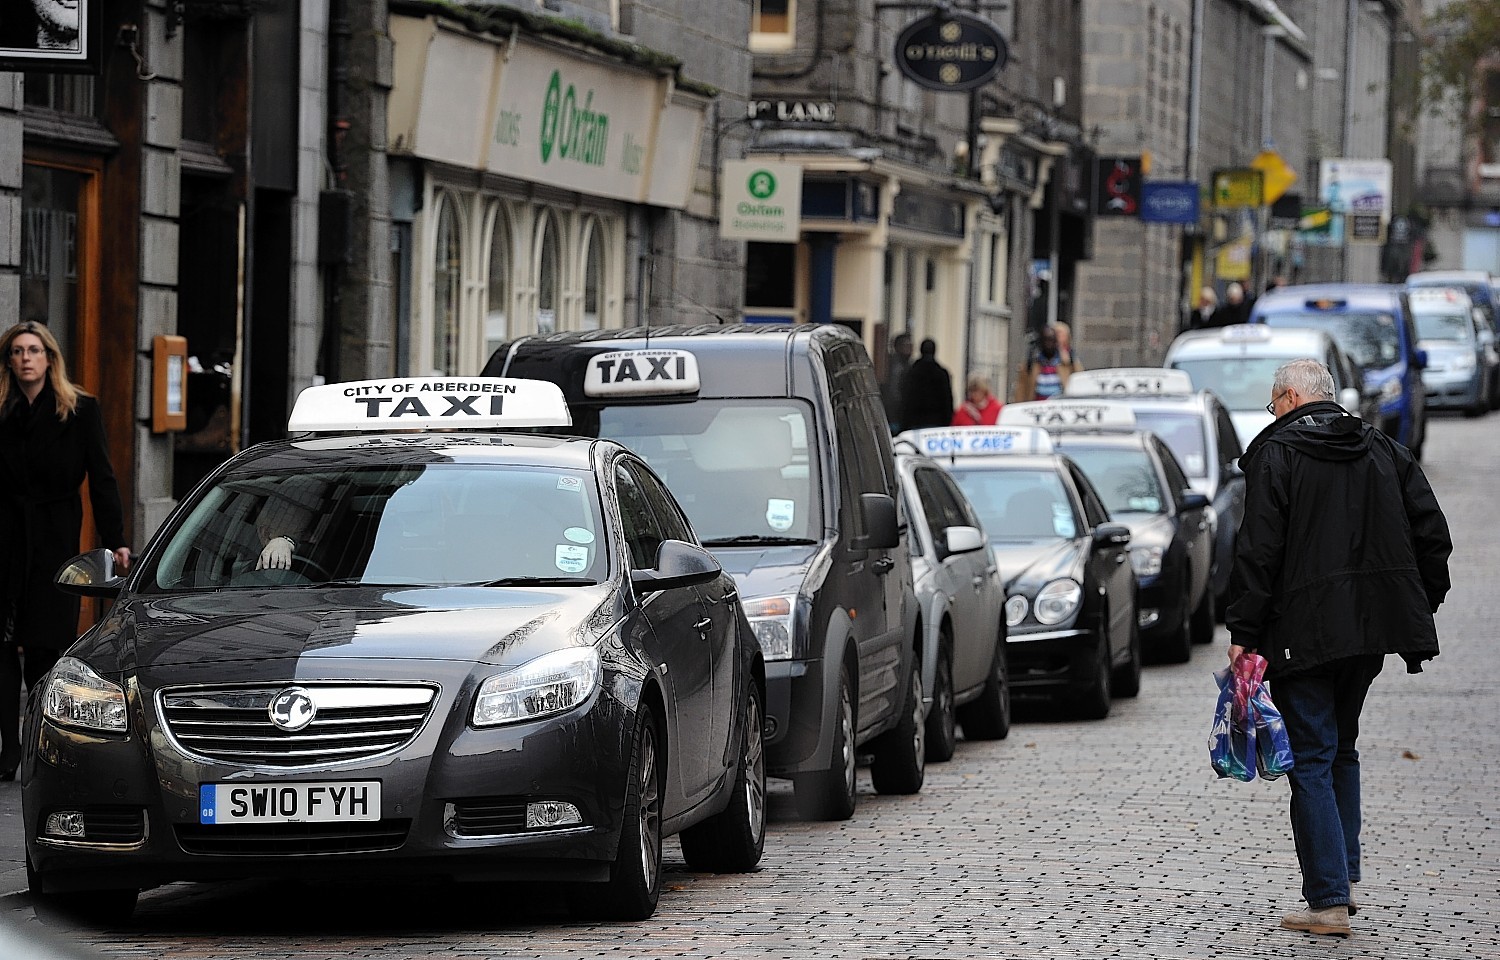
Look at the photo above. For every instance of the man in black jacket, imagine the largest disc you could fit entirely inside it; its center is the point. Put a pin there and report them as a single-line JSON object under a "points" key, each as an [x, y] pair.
{"points": [[926, 392], [1342, 558]]}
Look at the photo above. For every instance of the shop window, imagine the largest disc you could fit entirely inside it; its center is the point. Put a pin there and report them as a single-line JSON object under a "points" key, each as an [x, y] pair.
{"points": [[52, 200], [996, 265], [773, 25], [447, 272], [64, 93], [771, 275], [498, 288], [548, 266], [593, 274]]}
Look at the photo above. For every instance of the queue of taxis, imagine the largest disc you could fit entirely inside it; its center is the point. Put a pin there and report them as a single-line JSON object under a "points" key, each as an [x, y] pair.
{"points": [[1071, 628], [1200, 431], [403, 644], [1142, 485]]}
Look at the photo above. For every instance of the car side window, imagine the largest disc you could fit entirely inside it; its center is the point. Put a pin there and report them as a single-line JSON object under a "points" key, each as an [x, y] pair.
{"points": [[1093, 508], [1177, 481], [642, 534], [930, 493], [1229, 440], [964, 515], [674, 525]]}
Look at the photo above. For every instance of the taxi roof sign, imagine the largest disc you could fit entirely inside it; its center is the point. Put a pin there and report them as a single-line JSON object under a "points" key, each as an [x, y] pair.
{"points": [[978, 441], [401, 403], [1064, 414], [1246, 333], [641, 373], [1129, 382]]}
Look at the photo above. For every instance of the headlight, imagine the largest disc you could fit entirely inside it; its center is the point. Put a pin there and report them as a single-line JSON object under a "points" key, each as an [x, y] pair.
{"points": [[550, 684], [771, 619], [1058, 601], [1146, 561], [1015, 610], [1390, 390], [76, 696], [1463, 362]]}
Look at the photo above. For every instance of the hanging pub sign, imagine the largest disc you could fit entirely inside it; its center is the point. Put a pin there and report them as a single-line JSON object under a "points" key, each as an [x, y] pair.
{"points": [[52, 37], [1117, 187], [951, 51]]}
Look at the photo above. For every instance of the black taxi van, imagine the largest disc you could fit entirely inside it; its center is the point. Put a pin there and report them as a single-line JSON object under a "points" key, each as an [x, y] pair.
{"points": [[773, 439]]}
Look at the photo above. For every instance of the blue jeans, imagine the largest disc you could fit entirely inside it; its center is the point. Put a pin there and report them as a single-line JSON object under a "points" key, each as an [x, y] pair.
{"points": [[1321, 709]]}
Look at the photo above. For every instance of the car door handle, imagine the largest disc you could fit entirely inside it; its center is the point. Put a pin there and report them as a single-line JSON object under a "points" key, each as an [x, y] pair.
{"points": [[702, 627], [882, 566]]}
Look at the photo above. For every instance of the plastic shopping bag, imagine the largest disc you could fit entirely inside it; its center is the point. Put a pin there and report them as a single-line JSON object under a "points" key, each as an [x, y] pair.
{"points": [[1231, 742], [1273, 751]]}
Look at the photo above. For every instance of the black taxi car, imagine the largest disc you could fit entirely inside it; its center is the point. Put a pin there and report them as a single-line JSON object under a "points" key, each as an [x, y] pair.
{"points": [[1071, 627], [1144, 487], [404, 650]]}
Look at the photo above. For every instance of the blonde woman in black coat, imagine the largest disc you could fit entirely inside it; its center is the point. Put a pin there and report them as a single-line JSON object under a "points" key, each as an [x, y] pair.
{"points": [[51, 439]]}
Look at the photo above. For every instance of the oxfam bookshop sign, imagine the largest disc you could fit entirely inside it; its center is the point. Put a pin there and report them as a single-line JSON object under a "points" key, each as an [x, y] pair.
{"points": [[761, 201]]}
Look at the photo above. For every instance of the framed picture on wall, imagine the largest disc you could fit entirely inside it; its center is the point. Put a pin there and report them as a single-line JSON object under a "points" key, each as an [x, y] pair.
{"points": [[51, 36]]}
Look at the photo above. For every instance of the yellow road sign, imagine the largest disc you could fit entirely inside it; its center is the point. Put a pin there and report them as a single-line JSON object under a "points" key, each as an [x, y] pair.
{"points": [[1277, 177], [1237, 188]]}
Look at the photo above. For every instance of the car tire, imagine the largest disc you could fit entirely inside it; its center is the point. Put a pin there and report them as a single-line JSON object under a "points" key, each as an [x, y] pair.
{"points": [[1127, 679], [1177, 646], [733, 840], [988, 718], [829, 794], [1495, 391], [634, 884], [93, 908], [1204, 621], [900, 762], [1478, 408], [942, 722], [1094, 701]]}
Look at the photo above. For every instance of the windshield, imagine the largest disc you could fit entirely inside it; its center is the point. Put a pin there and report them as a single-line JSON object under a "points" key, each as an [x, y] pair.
{"points": [[740, 468], [1182, 432], [1454, 327], [415, 524], [1019, 504], [1241, 383], [1124, 477], [1371, 339]]}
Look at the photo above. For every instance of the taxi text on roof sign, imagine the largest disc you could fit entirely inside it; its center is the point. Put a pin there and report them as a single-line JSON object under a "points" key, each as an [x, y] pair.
{"points": [[978, 441], [637, 373], [430, 402], [1128, 382], [1069, 415]]}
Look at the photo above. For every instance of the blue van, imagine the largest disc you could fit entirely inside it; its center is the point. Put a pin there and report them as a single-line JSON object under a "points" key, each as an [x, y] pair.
{"points": [[1373, 324]]}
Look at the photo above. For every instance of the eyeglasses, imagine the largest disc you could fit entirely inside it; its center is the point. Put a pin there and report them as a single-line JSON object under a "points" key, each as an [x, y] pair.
{"points": [[28, 351], [1271, 407]]}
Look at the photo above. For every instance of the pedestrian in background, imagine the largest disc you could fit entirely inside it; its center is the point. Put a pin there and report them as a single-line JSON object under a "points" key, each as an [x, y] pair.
{"points": [[980, 407], [1202, 315], [1235, 308], [1342, 558], [897, 362], [1047, 368], [51, 439], [926, 391]]}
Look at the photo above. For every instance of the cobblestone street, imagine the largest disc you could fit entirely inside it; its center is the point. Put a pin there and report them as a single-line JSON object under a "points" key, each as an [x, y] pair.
{"points": [[1069, 839]]}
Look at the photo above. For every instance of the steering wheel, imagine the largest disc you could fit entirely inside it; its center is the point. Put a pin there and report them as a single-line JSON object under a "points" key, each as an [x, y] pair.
{"points": [[311, 568]]}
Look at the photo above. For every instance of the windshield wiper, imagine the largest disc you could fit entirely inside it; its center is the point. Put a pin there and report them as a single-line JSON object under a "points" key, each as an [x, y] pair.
{"points": [[534, 582], [755, 538]]}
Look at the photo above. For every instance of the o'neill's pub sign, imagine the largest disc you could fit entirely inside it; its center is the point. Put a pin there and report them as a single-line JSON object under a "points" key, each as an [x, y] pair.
{"points": [[951, 51]]}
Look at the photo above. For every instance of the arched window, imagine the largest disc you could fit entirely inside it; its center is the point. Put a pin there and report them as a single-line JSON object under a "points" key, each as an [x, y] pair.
{"points": [[593, 274], [548, 260], [447, 274], [498, 289]]}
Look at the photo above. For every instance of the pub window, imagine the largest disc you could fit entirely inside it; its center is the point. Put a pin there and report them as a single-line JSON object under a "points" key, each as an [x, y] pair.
{"points": [[498, 285], [548, 260], [773, 25], [447, 272]]}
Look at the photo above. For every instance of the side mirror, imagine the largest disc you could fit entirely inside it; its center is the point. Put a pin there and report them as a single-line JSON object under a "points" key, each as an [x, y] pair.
{"points": [[678, 564], [1233, 469], [1421, 359], [878, 510], [964, 539], [90, 574], [1111, 535], [1193, 500], [1349, 400]]}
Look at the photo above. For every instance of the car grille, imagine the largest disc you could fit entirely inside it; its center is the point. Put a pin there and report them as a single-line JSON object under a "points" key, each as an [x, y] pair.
{"points": [[277, 839], [352, 722], [488, 816]]}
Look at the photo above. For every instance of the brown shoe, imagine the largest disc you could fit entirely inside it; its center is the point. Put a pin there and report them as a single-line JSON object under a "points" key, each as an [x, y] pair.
{"points": [[1353, 908], [1332, 920]]}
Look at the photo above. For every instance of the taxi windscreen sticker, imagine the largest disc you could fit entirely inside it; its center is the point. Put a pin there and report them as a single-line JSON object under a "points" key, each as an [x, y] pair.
{"points": [[780, 514], [569, 483], [641, 373], [572, 558], [1062, 521], [579, 535]]}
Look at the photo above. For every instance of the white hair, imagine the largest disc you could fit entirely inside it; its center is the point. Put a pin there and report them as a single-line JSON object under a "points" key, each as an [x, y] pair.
{"points": [[1306, 376]]}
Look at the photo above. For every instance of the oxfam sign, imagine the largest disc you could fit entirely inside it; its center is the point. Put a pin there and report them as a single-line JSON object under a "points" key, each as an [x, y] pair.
{"points": [[571, 129], [951, 51], [761, 201]]}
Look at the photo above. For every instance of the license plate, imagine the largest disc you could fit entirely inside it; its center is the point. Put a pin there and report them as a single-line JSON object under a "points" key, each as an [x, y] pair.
{"points": [[323, 802]]}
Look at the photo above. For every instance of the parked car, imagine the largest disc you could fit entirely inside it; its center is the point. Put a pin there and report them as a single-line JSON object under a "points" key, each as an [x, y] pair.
{"points": [[1373, 323], [962, 602], [384, 648], [1238, 364], [1460, 347], [1072, 635], [1142, 486], [1198, 428], [1480, 285], [774, 440]]}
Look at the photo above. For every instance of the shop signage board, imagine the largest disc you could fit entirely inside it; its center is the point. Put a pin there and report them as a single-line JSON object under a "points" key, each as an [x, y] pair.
{"points": [[1362, 190], [761, 201], [1242, 187], [951, 51], [1169, 202]]}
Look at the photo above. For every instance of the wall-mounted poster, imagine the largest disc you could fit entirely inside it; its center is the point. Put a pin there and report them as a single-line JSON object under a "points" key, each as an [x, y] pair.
{"points": [[51, 36]]}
